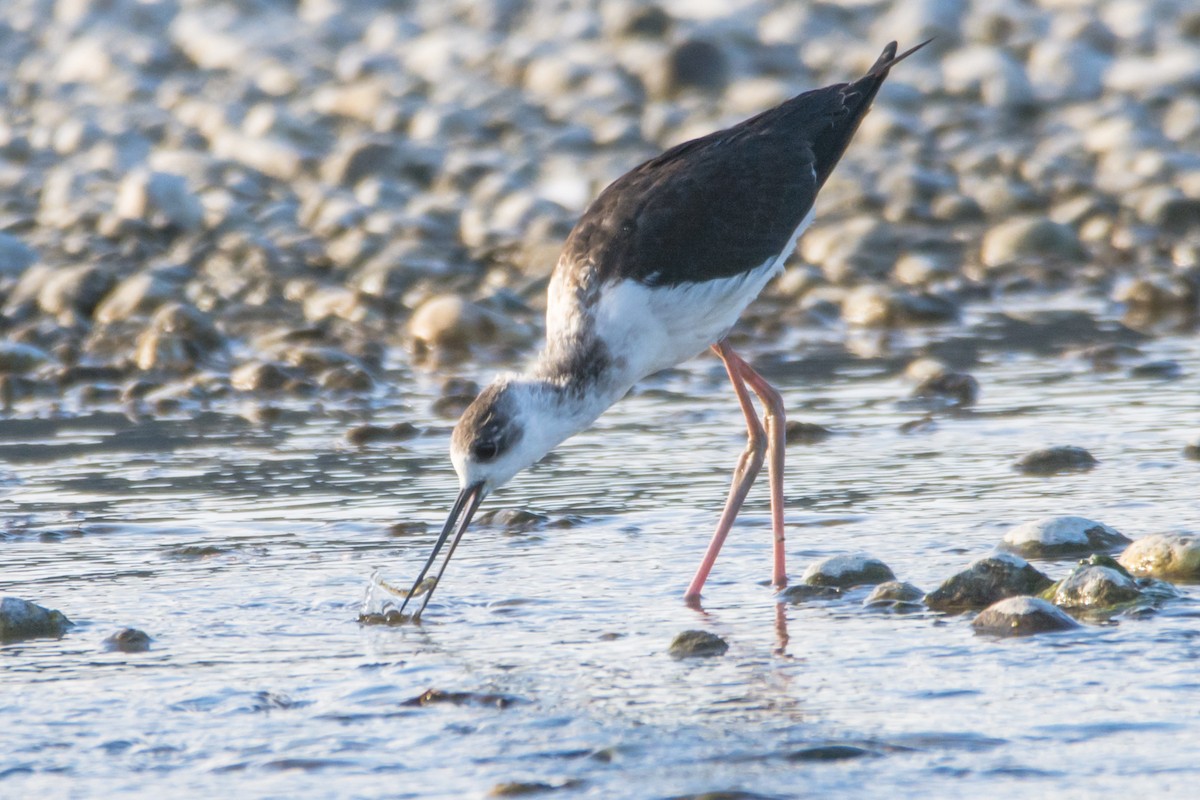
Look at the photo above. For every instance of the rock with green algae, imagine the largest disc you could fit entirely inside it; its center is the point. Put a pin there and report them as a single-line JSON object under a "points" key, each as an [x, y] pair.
{"points": [[1022, 616], [21, 620], [697, 644], [1098, 583], [895, 596], [1164, 555], [985, 582]]}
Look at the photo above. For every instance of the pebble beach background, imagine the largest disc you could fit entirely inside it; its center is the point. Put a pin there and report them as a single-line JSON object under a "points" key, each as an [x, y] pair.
{"points": [[255, 258]]}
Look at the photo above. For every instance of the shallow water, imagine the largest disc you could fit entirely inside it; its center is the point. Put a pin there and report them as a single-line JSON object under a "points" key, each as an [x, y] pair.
{"points": [[244, 551]]}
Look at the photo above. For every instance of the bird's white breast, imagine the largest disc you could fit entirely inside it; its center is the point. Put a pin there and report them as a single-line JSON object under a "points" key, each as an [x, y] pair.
{"points": [[655, 327]]}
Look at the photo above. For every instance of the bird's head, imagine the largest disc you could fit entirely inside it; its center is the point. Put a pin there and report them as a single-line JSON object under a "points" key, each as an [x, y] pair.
{"points": [[509, 426]]}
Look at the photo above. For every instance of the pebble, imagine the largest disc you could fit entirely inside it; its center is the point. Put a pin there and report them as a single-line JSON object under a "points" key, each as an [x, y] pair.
{"points": [[1062, 536], [697, 644], [986, 581], [844, 571], [1164, 555], [15, 256], [1015, 241], [178, 338], [1056, 461], [21, 358], [21, 619], [139, 295], [1191, 450], [159, 199], [361, 435], [895, 596], [797, 432], [1022, 616], [128, 640], [956, 389]]}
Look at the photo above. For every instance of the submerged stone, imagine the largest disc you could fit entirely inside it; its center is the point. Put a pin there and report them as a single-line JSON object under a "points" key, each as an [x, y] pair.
{"points": [[1056, 460], [21, 619], [1022, 616], [128, 640], [843, 571], [803, 592], [828, 752], [1052, 537], [985, 582], [437, 696], [697, 644], [896, 596], [1164, 555], [805, 433]]}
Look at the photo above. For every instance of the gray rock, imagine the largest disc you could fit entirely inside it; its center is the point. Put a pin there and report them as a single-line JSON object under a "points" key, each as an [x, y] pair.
{"points": [[178, 339], [1018, 240], [956, 389], [139, 295], [20, 358], [990, 74], [20, 620], [985, 581], [697, 644], [1056, 461], [159, 199], [1056, 537], [1022, 616], [895, 596], [796, 432], [1191, 450], [804, 592], [844, 571], [260, 376], [128, 640], [74, 292], [15, 256], [447, 326], [1164, 555]]}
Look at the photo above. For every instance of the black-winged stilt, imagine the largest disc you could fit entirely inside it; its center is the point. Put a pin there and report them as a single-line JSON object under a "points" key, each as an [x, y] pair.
{"points": [[659, 268]]}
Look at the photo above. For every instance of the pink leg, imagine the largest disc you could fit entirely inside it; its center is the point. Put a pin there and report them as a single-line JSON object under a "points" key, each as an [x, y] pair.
{"points": [[748, 467], [776, 442]]}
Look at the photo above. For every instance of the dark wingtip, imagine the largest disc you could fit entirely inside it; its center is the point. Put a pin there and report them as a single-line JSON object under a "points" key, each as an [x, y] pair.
{"points": [[888, 58]]}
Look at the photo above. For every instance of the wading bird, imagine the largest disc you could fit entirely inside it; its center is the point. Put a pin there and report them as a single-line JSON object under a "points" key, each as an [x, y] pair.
{"points": [[658, 269]]}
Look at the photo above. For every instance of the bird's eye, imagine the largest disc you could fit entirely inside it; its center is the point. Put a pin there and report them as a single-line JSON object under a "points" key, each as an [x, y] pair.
{"points": [[485, 450]]}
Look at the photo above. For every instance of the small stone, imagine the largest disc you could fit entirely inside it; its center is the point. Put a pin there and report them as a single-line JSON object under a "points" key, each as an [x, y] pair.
{"points": [[159, 199], [1092, 585], [697, 644], [1056, 537], [21, 358], [259, 376], [361, 435], [1164, 555], [519, 789], [346, 378], [829, 752], [20, 620], [128, 640], [950, 388], [1022, 616], [1191, 450], [844, 571], [139, 295], [696, 64], [796, 432], [803, 593], [1016, 241], [895, 595], [1056, 460], [985, 581], [15, 255], [177, 339], [70, 292], [448, 323]]}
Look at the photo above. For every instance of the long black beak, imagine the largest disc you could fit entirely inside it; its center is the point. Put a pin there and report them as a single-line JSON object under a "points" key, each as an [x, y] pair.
{"points": [[460, 517]]}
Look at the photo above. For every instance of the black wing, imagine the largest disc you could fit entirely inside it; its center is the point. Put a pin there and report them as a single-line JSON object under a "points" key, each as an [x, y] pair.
{"points": [[727, 202]]}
